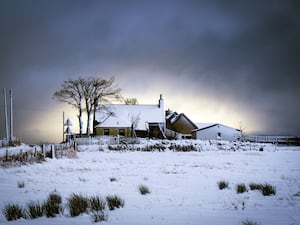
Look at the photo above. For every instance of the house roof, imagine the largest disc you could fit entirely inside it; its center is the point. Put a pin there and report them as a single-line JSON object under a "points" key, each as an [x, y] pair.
{"points": [[203, 126], [124, 115], [174, 116]]}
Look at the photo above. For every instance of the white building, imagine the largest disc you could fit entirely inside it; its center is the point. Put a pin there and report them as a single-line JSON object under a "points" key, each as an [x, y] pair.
{"points": [[216, 131]]}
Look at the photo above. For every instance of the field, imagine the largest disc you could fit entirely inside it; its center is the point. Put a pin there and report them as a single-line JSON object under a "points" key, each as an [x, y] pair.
{"points": [[183, 186]]}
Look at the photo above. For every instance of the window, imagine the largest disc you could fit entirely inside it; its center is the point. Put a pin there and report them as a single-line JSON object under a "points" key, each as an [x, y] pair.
{"points": [[219, 135], [105, 131], [122, 132]]}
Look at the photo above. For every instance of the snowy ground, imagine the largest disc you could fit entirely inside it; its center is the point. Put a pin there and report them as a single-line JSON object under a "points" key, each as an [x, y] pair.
{"points": [[183, 185]]}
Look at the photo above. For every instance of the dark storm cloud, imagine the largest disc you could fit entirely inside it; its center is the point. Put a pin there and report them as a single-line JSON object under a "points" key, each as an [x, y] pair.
{"points": [[243, 52]]}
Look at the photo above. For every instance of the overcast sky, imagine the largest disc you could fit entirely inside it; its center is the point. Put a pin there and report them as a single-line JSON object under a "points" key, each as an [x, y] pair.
{"points": [[216, 61]]}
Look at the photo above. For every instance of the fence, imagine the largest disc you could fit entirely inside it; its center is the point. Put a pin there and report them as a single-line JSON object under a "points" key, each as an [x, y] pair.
{"points": [[5, 142], [25, 154], [284, 140], [108, 140]]}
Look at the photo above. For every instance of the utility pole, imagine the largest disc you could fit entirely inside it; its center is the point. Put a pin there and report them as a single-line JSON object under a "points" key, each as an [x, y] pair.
{"points": [[63, 127], [11, 116], [5, 113]]}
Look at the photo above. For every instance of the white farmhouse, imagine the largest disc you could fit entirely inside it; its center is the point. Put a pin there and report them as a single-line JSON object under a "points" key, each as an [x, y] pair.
{"points": [[131, 120], [216, 131]]}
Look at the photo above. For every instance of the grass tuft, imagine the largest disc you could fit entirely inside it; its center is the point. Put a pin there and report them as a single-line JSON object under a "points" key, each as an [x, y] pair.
{"points": [[21, 184], [35, 209], [77, 204], [98, 217], [112, 179], [255, 186], [114, 202], [96, 203], [144, 190], [266, 189], [52, 204], [222, 184], [13, 212], [241, 188], [249, 222]]}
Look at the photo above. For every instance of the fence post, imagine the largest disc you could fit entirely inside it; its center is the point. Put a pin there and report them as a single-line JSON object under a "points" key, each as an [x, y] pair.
{"points": [[44, 150], [53, 151]]}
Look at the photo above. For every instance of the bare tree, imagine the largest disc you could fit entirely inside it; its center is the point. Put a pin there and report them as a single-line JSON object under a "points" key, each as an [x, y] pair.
{"points": [[100, 92], [134, 120], [93, 91], [242, 130], [70, 92], [131, 101]]}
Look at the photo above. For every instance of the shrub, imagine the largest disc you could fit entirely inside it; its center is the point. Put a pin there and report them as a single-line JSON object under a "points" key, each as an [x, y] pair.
{"points": [[144, 189], [222, 184], [13, 212], [21, 184], [52, 205], [97, 203], [114, 202], [77, 204], [241, 188], [35, 209], [249, 222], [98, 216]]}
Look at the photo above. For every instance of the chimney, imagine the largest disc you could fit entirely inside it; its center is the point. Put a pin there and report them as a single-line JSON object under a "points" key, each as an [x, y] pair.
{"points": [[161, 102]]}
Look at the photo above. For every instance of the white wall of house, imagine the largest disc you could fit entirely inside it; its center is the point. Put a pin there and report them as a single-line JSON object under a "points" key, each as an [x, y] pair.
{"points": [[217, 132]]}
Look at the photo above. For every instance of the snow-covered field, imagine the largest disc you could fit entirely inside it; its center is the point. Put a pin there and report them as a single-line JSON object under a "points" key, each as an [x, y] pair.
{"points": [[183, 185]]}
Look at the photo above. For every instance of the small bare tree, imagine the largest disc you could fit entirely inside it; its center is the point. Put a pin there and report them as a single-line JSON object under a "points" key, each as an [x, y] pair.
{"points": [[242, 130], [131, 101], [134, 120]]}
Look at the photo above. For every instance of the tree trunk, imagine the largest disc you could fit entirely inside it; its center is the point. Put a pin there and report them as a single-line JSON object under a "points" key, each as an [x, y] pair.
{"points": [[88, 130], [80, 119], [94, 115]]}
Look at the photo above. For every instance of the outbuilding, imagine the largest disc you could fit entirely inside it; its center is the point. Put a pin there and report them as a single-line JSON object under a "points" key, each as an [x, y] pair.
{"points": [[216, 131]]}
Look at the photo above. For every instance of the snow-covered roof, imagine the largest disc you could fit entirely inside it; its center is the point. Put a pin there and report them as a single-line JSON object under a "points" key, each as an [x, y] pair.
{"points": [[124, 115], [202, 126]]}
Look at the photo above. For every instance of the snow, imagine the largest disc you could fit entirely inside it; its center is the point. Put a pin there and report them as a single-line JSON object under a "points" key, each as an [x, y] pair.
{"points": [[183, 185]]}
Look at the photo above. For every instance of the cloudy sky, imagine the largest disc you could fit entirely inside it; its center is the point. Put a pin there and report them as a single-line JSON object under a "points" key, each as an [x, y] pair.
{"points": [[216, 61]]}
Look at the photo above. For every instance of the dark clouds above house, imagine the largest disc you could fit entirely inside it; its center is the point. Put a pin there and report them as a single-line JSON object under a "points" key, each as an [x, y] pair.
{"points": [[243, 55]]}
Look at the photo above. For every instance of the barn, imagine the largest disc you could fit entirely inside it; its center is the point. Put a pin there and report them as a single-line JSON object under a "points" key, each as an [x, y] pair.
{"points": [[216, 131]]}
